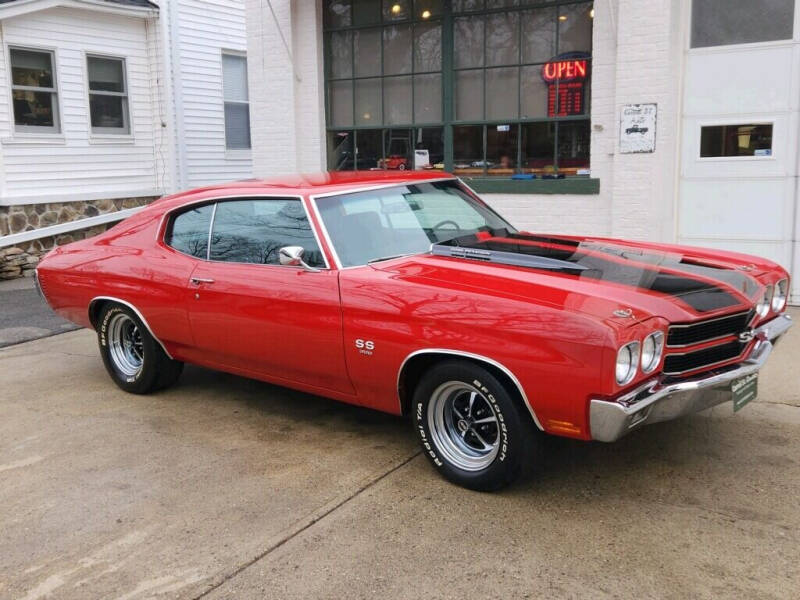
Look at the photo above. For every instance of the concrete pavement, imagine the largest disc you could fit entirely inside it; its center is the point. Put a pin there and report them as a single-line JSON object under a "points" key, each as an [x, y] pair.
{"points": [[224, 487]]}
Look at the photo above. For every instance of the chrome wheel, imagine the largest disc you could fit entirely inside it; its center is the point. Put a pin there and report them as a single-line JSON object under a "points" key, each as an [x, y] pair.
{"points": [[125, 345], [464, 425]]}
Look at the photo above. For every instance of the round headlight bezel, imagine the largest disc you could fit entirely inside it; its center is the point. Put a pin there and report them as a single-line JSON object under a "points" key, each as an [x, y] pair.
{"points": [[779, 295], [631, 350], [657, 340], [763, 306]]}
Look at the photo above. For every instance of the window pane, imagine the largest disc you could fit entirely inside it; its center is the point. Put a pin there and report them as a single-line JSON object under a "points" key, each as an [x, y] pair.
{"points": [[397, 100], [253, 231], [534, 93], [33, 108], [107, 111], [398, 144], [502, 99], [369, 148], [469, 95], [396, 10], [500, 3], [427, 47], [340, 99], [368, 102], [538, 35], [736, 140], [188, 232], [720, 22], [468, 33], [105, 74], [337, 13], [573, 145], [368, 52], [502, 39], [432, 140], [31, 68], [234, 77], [575, 28], [397, 50], [340, 151], [341, 59], [237, 126], [366, 12], [538, 147], [462, 5], [468, 149], [427, 98], [501, 149]]}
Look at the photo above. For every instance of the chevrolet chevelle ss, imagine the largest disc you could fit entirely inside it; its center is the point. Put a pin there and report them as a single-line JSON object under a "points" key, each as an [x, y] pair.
{"points": [[406, 293]]}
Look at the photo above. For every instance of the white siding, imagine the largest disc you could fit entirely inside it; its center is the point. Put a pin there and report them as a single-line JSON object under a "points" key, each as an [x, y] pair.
{"points": [[204, 28], [77, 165]]}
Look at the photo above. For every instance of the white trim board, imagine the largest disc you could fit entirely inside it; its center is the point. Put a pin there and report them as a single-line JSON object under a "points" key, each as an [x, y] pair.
{"points": [[78, 197], [36, 234]]}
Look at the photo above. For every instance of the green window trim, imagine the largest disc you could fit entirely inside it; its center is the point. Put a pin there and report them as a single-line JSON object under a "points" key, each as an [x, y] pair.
{"points": [[505, 185], [444, 16]]}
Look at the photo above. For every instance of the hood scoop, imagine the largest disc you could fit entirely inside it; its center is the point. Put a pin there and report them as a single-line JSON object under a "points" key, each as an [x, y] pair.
{"points": [[473, 247]]}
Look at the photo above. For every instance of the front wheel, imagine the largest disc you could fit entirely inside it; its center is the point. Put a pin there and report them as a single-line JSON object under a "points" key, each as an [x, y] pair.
{"points": [[133, 358], [471, 428]]}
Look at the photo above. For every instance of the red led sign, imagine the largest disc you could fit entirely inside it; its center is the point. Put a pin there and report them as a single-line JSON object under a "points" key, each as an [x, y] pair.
{"points": [[564, 70], [565, 77]]}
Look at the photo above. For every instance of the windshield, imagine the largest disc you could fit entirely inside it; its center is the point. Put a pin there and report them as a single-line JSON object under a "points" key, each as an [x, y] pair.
{"points": [[407, 219]]}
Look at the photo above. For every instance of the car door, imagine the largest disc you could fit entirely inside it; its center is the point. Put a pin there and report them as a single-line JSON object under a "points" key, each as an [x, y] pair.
{"points": [[251, 313]]}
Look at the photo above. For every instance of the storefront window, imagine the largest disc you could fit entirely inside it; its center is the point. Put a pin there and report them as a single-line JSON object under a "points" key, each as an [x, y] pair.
{"points": [[736, 140], [491, 87]]}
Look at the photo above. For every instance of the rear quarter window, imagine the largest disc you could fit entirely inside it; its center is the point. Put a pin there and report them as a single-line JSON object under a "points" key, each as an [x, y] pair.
{"points": [[187, 232]]}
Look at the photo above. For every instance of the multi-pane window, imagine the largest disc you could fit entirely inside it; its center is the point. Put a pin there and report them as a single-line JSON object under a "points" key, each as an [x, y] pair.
{"points": [[33, 90], [723, 22], [237, 102], [108, 95], [471, 86]]}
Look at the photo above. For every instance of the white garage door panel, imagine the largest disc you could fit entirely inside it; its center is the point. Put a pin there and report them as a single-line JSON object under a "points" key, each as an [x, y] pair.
{"points": [[779, 252], [750, 209], [745, 80]]}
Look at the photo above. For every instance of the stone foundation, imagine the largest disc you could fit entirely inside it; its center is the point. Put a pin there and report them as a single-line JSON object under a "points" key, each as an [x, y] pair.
{"points": [[20, 261]]}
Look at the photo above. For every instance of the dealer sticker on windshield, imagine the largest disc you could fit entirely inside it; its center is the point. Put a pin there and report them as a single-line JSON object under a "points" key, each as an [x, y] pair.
{"points": [[744, 390]]}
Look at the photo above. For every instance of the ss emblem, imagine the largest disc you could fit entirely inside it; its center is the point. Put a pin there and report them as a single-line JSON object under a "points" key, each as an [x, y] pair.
{"points": [[365, 346]]}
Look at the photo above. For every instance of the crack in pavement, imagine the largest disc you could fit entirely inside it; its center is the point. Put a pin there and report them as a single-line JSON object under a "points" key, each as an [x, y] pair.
{"points": [[315, 518]]}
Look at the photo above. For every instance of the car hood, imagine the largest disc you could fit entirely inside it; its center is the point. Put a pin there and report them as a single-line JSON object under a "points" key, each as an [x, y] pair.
{"points": [[610, 279]]}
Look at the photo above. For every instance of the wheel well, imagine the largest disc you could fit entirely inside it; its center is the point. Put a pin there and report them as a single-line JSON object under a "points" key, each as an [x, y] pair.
{"points": [[416, 366], [95, 308]]}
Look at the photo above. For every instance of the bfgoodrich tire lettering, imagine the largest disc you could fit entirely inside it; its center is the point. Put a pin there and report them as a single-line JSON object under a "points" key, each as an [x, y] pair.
{"points": [[132, 357], [471, 427]]}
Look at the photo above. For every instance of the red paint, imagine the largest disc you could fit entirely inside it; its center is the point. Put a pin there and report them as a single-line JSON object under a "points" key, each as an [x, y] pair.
{"points": [[555, 333]]}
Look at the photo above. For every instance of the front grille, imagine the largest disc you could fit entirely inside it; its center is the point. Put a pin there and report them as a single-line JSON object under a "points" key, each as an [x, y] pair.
{"points": [[675, 364], [694, 333]]}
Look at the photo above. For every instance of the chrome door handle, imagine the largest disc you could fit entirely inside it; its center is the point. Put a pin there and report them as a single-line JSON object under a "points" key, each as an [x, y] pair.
{"points": [[199, 280]]}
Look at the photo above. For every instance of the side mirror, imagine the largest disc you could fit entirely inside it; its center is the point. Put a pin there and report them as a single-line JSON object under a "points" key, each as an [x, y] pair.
{"points": [[292, 256]]}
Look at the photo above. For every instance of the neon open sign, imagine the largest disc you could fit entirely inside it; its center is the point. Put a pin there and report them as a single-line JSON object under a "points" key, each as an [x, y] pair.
{"points": [[564, 70]]}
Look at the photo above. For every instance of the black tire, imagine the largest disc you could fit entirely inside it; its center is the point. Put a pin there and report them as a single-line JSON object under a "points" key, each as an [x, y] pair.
{"points": [[145, 367], [513, 434]]}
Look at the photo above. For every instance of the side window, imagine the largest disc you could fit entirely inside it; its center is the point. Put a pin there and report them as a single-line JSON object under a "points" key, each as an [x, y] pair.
{"points": [[188, 231], [253, 231]]}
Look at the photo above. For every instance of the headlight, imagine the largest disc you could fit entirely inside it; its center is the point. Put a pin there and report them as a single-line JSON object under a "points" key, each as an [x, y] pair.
{"points": [[762, 308], [652, 347], [779, 297], [627, 362]]}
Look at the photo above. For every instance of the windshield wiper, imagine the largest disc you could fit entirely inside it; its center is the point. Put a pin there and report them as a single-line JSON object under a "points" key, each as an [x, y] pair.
{"points": [[390, 257]]}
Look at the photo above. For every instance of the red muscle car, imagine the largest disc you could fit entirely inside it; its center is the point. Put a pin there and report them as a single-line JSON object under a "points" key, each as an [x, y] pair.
{"points": [[408, 294]]}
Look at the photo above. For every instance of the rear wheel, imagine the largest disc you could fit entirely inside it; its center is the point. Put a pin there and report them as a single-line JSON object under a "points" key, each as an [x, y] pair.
{"points": [[471, 428], [134, 359]]}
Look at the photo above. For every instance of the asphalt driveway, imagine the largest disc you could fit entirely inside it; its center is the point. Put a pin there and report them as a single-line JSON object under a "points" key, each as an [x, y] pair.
{"points": [[24, 315], [224, 487]]}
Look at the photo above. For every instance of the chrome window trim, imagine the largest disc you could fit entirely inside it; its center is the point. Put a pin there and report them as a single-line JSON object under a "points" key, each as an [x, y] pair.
{"points": [[135, 310], [161, 230], [477, 357]]}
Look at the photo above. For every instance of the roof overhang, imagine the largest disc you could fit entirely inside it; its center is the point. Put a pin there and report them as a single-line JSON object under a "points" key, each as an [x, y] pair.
{"points": [[24, 7]]}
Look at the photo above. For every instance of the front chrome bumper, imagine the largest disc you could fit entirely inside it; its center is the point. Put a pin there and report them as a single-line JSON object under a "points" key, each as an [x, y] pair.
{"points": [[658, 401]]}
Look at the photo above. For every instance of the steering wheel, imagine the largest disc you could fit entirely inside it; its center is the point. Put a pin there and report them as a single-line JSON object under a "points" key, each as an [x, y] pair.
{"points": [[447, 222]]}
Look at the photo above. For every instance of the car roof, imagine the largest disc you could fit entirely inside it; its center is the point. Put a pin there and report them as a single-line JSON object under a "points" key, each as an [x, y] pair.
{"points": [[313, 183]]}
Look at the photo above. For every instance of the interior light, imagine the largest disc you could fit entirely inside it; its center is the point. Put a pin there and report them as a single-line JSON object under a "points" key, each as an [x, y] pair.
{"points": [[591, 13], [367, 116], [396, 9], [426, 14], [562, 17]]}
